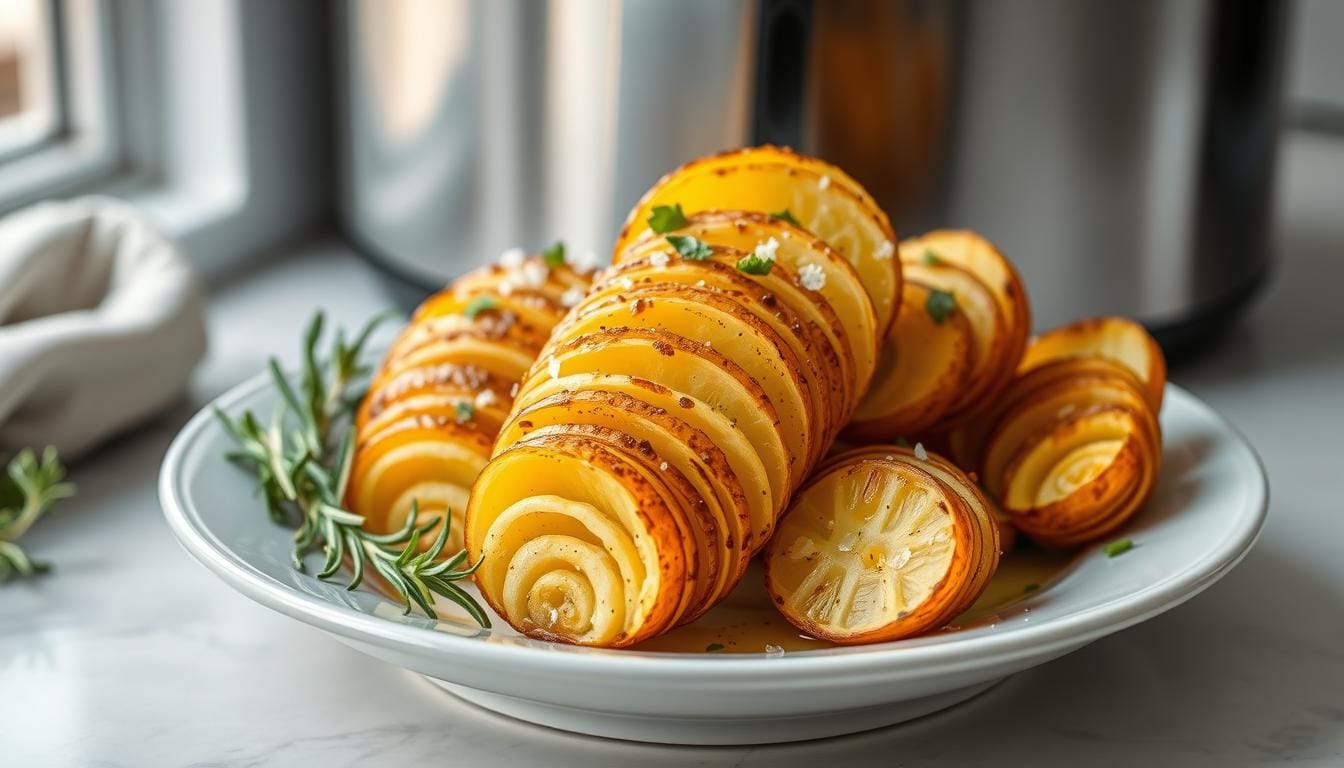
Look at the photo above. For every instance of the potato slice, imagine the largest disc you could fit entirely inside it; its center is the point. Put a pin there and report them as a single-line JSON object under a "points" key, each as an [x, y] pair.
{"points": [[446, 379], [848, 222], [981, 310], [692, 369], [841, 288], [923, 367], [576, 543], [680, 446], [818, 324], [1083, 479], [723, 325], [1116, 339], [877, 549], [428, 459], [498, 326], [746, 466], [808, 342], [532, 275], [1074, 451], [699, 538]]}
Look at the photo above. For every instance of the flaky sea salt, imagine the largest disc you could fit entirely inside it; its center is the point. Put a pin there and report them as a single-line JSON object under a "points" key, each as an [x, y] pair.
{"points": [[812, 276], [583, 262], [658, 259], [920, 453], [485, 398], [572, 296], [885, 251], [767, 249], [534, 274], [513, 258], [627, 284]]}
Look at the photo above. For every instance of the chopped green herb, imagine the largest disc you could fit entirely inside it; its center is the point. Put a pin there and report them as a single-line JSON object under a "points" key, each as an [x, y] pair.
{"points": [[555, 255], [784, 215], [713, 647], [480, 304], [902, 442], [666, 218], [755, 265], [690, 248], [1032, 587], [931, 258], [465, 411], [1118, 547], [940, 304]]}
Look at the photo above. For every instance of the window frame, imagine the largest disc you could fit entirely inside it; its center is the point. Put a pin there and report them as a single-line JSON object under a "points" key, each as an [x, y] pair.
{"points": [[212, 116], [85, 145]]}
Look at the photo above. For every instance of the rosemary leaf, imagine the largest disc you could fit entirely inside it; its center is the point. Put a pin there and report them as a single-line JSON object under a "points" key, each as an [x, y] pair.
{"points": [[302, 460]]}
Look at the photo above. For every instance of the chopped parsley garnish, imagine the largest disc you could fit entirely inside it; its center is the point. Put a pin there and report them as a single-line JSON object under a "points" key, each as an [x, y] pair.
{"points": [[940, 304], [931, 258], [712, 647], [465, 411], [666, 218], [752, 264], [480, 304], [690, 248], [1032, 587], [555, 255], [784, 215], [1118, 547]]}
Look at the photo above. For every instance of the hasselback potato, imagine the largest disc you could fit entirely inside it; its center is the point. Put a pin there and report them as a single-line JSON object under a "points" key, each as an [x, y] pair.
{"points": [[1072, 449], [427, 425], [657, 438]]}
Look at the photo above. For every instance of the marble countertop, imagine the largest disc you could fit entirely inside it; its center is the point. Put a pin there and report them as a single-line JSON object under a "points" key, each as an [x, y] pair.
{"points": [[130, 654]]}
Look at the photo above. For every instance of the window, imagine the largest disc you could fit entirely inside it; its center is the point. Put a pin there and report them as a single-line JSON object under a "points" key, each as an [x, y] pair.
{"points": [[28, 102], [58, 131]]}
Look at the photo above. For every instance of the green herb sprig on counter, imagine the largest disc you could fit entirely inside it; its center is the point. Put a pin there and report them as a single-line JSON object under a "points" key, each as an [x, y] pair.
{"points": [[784, 215], [28, 490], [302, 462]]}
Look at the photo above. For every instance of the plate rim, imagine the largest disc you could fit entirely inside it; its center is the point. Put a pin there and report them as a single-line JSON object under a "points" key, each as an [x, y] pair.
{"points": [[874, 662]]}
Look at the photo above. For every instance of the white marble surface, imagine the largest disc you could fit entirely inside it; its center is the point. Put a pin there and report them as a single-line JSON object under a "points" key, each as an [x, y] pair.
{"points": [[133, 655]]}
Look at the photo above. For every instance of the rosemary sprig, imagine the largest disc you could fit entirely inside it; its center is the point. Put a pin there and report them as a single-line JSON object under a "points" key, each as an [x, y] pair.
{"points": [[29, 488], [302, 461]]}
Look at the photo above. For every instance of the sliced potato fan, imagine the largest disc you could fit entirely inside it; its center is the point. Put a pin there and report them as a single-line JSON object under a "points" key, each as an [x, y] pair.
{"points": [[426, 427], [705, 374], [876, 547], [1072, 449]]}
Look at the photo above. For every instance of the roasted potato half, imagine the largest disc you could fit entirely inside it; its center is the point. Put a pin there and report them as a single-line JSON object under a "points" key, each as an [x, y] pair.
{"points": [[878, 547]]}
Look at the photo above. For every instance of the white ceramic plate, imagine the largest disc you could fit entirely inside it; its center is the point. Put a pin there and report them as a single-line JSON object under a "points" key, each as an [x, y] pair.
{"points": [[1207, 510]]}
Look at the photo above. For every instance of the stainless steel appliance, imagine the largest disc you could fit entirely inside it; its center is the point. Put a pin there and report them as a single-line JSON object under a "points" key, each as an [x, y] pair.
{"points": [[1121, 153]]}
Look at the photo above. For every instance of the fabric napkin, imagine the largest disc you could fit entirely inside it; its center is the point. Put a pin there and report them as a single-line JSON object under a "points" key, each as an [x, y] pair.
{"points": [[101, 323]]}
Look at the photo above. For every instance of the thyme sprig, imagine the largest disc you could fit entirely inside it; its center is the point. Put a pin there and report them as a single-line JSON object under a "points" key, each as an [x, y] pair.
{"points": [[302, 460], [29, 488]]}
